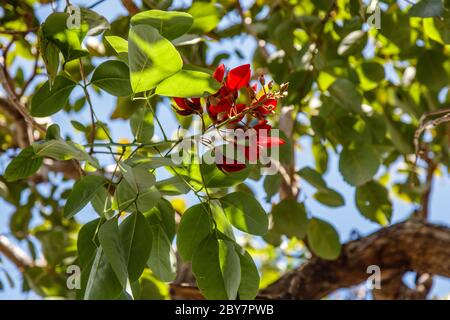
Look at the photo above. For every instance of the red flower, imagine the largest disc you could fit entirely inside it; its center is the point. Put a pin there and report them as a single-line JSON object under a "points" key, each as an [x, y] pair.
{"points": [[188, 106], [267, 106], [238, 77], [219, 73], [263, 140]]}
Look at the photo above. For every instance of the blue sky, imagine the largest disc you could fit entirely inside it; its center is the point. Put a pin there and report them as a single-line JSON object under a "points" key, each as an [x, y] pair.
{"points": [[345, 219]]}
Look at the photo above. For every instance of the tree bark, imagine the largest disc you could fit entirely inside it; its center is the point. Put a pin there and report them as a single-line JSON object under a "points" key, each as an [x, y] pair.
{"points": [[413, 245]]}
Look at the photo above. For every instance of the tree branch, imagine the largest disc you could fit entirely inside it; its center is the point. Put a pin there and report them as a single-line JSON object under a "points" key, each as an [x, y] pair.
{"points": [[130, 6], [15, 254], [413, 245]]}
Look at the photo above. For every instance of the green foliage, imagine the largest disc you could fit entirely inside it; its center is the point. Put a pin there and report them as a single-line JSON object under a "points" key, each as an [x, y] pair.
{"points": [[151, 58], [113, 77], [188, 83], [373, 202], [195, 226], [136, 239], [245, 213], [141, 123], [82, 193], [63, 150], [48, 101], [427, 8], [206, 16], [25, 164], [289, 218], [323, 239], [170, 25], [359, 165], [356, 93], [216, 266]]}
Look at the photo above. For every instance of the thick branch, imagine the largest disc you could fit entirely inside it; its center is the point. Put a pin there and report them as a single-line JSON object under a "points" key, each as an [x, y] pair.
{"points": [[409, 246], [130, 6], [15, 254]]}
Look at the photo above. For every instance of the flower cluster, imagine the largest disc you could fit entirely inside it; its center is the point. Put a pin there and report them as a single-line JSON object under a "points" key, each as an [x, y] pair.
{"points": [[224, 110]]}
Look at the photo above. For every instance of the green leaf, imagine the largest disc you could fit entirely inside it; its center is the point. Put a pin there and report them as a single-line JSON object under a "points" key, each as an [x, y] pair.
{"points": [[188, 83], [93, 23], [50, 54], [138, 177], [163, 215], [346, 95], [99, 279], [427, 9], [83, 191], [195, 225], [373, 202], [113, 76], [245, 213], [170, 24], [63, 150], [152, 58], [430, 69], [359, 165], [313, 177], [215, 178], [354, 42], [109, 238], [175, 185], [216, 267], [272, 185], [136, 236], [248, 289], [55, 30], [47, 102], [162, 260], [102, 202], [120, 46], [25, 164], [86, 242], [126, 199], [206, 16], [323, 239], [320, 156], [221, 221], [79, 126], [141, 123], [290, 218], [373, 71], [329, 197], [437, 29]]}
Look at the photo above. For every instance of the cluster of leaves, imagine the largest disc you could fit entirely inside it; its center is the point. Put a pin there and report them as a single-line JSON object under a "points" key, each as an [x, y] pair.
{"points": [[359, 91], [113, 252]]}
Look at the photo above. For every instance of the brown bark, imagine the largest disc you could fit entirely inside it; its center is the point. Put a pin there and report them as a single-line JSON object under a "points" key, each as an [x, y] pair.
{"points": [[130, 6], [413, 245]]}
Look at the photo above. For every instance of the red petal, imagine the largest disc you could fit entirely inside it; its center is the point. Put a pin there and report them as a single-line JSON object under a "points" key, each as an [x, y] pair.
{"points": [[219, 73], [196, 101], [181, 102], [268, 142], [184, 112], [262, 125], [272, 103], [238, 77]]}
